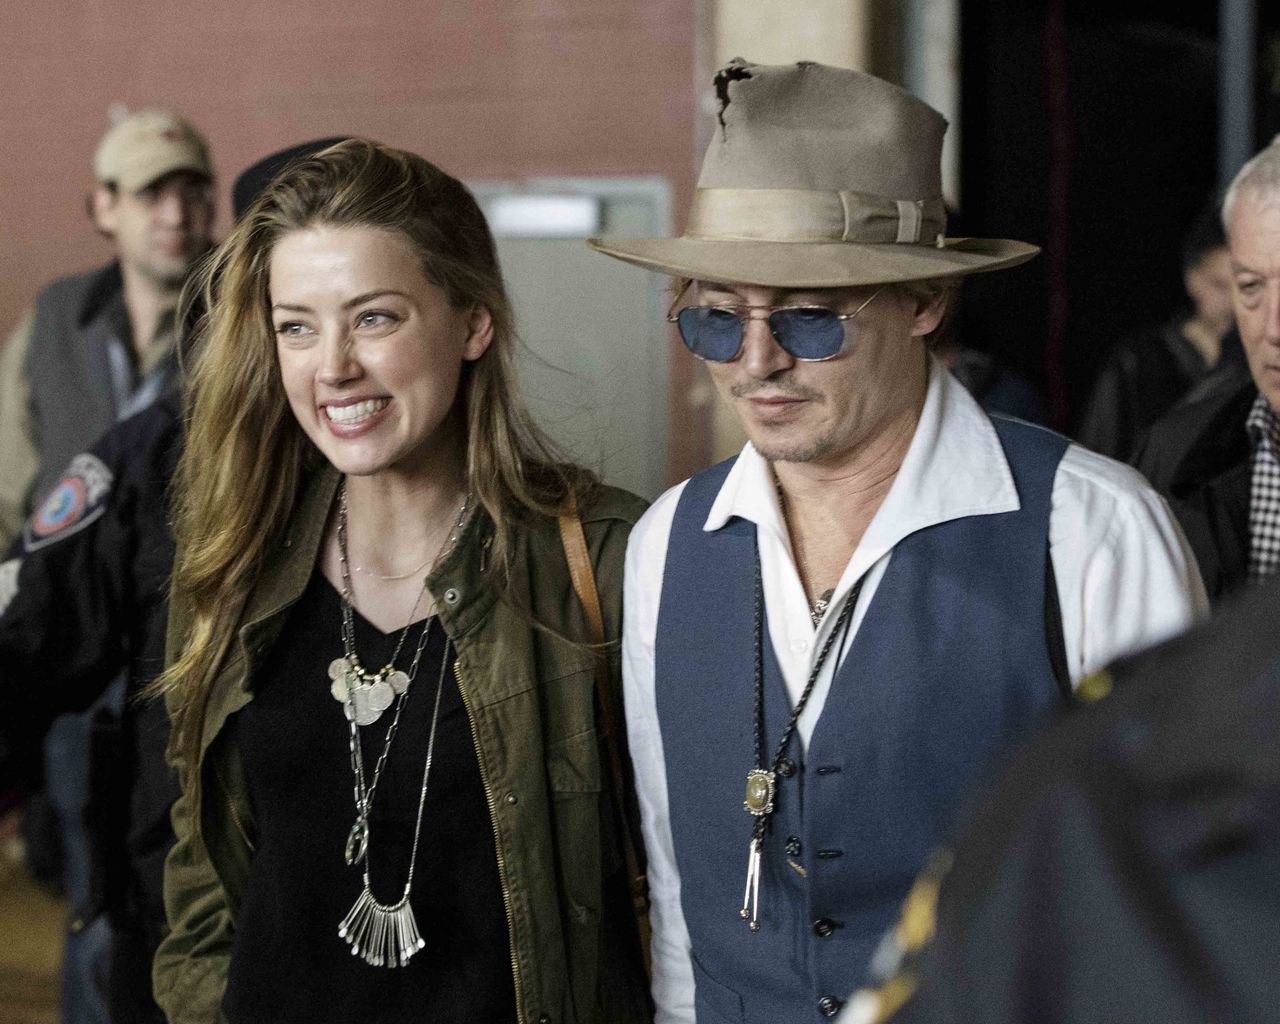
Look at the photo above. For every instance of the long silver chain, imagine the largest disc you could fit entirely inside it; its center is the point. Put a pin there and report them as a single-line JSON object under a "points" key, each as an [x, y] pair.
{"points": [[384, 935]]}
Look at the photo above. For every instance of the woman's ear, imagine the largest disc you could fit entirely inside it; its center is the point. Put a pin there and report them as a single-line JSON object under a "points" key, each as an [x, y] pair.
{"points": [[480, 336]]}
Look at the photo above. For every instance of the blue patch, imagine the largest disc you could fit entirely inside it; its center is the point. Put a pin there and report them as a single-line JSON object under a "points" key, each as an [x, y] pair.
{"points": [[78, 499]]}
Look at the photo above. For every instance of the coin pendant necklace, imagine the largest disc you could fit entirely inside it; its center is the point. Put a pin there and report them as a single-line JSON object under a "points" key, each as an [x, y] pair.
{"points": [[762, 780], [365, 695]]}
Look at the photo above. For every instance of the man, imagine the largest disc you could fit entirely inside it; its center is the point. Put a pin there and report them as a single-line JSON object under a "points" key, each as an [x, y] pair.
{"points": [[882, 591], [1147, 374], [98, 347], [1124, 867], [80, 606], [1217, 456]]}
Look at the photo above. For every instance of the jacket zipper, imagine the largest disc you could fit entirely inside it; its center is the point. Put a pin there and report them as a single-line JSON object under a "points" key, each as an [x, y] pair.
{"points": [[497, 844], [231, 806]]}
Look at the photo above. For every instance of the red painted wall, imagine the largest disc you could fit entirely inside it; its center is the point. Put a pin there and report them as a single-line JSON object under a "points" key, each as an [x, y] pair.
{"points": [[485, 88]]}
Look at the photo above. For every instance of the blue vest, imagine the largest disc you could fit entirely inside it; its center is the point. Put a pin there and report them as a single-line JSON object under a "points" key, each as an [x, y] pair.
{"points": [[949, 668]]}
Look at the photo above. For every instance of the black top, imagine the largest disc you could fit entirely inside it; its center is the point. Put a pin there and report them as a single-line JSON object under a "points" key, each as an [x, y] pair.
{"points": [[289, 964]]}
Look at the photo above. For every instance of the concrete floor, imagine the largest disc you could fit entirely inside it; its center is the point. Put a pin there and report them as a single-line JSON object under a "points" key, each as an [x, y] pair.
{"points": [[31, 929]]}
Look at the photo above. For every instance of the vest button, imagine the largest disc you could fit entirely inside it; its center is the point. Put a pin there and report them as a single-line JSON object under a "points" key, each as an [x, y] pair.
{"points": [[823, 927], [794, 846], [451, 596], [544, 1018], [786, 767], [829, 1006]]}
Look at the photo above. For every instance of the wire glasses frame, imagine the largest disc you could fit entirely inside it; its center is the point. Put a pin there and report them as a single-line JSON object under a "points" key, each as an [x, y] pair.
{"points": [[811, 334]]}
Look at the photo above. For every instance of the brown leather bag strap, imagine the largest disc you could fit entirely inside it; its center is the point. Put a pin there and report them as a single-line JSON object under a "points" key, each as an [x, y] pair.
{"points": [[584, 584]]}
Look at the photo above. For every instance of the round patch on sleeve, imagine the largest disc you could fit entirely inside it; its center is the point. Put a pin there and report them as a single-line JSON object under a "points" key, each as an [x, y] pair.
{"points": [[76, 500], [9, 582]]}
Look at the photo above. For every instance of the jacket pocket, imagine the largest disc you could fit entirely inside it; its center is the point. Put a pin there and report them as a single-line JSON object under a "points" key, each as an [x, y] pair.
{"points": [[573, 764], [714, 1003]]}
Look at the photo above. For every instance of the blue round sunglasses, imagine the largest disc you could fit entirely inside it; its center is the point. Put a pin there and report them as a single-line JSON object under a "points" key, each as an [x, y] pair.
{"points": [[809, 333]]}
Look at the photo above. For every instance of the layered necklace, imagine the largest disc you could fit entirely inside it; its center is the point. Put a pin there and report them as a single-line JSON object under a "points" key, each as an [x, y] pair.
{"points": [[384, 935]]}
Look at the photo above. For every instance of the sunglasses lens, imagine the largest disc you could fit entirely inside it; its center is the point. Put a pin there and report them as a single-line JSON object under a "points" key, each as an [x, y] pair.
{"points": [[808, 332], [710, 333]]}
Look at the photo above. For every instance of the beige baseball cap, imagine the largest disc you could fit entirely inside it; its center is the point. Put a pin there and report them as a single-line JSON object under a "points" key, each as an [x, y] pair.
{"points": [[145, 146]]}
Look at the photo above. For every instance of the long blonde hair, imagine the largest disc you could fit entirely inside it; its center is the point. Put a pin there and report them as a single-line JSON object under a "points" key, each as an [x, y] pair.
{"points": [[245, 456]]}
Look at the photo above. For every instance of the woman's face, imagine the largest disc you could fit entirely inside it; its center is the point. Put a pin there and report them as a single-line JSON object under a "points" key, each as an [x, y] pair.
{"points": [[370, 351]]}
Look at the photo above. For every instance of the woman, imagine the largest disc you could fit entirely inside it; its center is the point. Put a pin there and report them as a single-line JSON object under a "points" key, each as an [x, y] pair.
{"points": [[383, 713]]}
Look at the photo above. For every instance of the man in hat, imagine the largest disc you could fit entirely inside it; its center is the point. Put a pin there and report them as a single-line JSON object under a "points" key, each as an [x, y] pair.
{"points": [[98, 347], [1217, 456], [884, 590]]}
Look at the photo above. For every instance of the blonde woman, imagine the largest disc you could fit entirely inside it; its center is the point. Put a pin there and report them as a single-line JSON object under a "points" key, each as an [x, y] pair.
{"points": [[385, 726]]}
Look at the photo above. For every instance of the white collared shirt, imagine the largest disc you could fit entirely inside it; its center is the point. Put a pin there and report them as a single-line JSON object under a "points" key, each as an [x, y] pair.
{"points": [[1126, 579]]}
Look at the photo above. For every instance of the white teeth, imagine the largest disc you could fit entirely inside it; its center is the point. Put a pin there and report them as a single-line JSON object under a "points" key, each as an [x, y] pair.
{"points": [[356, 412]]}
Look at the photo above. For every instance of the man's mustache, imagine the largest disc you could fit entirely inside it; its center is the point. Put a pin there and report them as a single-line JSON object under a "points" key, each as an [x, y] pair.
{"points": [[777, 387]]}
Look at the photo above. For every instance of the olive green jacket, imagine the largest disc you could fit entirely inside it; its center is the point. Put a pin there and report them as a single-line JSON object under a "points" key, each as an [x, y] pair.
{"points": [[530, 698]]}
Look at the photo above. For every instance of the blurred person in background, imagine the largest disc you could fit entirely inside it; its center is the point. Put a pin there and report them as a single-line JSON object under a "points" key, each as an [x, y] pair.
{"points": [[852, 619], [78, 611], [394, 801], [1216, 457], [96, 348], [1144, 376]]}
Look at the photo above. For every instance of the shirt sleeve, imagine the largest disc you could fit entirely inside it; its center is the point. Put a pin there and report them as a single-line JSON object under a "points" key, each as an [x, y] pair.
{"points": [[646, 558], [18, 456], [1127, 578]]}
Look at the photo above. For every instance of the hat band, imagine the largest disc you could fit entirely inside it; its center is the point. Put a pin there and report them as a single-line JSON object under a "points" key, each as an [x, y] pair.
{"points": [[807, 215]]}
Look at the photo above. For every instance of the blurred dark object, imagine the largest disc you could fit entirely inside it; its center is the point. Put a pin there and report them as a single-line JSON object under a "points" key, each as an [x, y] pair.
{"points": [[997, 388], [1145, 375], [1124, 867], [249, 185]]}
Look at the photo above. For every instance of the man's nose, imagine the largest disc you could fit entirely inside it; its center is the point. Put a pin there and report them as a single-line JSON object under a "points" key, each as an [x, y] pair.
{"points": [[762, 356], [171, 209]]}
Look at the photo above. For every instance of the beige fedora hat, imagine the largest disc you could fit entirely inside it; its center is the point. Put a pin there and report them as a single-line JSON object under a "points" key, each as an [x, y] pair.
{"points": [[818, 176]]}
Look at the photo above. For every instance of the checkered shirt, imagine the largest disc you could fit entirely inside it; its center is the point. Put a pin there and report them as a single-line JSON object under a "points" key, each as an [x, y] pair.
{"points": [[1264, 494]]}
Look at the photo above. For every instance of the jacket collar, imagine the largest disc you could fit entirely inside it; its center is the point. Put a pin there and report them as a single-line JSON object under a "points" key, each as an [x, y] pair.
{"points": [[103, 285], [954, 467]]}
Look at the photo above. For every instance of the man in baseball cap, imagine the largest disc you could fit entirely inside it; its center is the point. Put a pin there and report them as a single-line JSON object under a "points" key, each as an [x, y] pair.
{"points": [[97, 347], [852, 619]]}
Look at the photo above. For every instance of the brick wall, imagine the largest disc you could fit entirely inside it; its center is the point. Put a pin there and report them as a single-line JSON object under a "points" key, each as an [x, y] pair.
{"points": [[485, 88]]}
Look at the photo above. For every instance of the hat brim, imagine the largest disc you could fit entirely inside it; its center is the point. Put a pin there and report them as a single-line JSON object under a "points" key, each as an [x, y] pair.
{"points": [[814, 264]]}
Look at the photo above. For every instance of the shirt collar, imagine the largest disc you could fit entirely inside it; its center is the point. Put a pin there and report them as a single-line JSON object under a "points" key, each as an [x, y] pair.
{"points": [[1263, 424], [954, 467]]}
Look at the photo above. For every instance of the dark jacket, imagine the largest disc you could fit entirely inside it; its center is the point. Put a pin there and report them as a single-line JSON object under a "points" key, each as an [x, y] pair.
{"points": [[69, 366], [1142, 379], [530, 698], [1124, 867], [83, 598], [1198, 457]]}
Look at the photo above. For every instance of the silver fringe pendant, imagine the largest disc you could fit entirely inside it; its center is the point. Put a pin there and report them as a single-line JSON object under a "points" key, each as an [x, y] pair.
{"points": [[385, 936]]}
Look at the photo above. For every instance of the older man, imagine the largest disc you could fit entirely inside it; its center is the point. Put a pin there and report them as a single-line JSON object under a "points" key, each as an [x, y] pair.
{"points": [[1217, 457], [884, 590]]}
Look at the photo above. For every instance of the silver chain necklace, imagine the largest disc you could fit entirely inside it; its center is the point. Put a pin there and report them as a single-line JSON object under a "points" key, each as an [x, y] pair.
{"points": [[365, 695], [384, 935]]}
